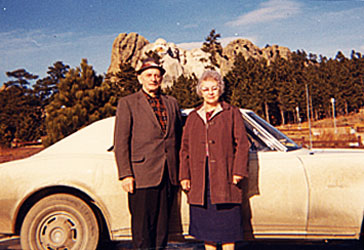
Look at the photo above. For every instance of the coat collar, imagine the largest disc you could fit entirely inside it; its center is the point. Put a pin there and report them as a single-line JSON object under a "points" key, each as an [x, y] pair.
{"points": [[221, 107]]}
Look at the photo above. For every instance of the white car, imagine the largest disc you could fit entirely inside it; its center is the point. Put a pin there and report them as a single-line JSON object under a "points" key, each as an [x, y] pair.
{"points": [[68, 196]]}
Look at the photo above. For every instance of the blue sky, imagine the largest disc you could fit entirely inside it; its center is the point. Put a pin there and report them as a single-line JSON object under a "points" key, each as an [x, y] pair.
{"points": [[36, 33]]}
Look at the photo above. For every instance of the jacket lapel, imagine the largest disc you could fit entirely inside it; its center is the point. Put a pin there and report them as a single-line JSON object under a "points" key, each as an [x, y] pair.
{"points": [[169, 110], [147, 109]]}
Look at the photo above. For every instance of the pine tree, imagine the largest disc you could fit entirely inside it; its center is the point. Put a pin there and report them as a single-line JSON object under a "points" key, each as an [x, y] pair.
{"points": [[213, 47], [285, 86], [297, 66], [184, 90], [248, 85], [355, 97], [20, 115], [46, 88], [83, 97], [119, 84], [76, 104], [22, 78]]}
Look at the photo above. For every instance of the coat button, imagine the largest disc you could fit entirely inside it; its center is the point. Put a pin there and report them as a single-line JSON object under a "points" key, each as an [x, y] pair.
{"points": [[211, 141], [212, 161]]}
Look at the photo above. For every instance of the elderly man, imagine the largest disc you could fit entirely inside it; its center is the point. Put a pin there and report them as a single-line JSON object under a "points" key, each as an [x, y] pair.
{"points": [[147, 141]]}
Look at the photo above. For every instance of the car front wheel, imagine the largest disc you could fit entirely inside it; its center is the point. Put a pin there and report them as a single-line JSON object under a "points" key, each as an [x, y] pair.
{"points": [[60, 221]]}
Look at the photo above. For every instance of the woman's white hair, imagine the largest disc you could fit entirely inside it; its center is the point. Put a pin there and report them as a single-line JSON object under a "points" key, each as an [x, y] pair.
{"points": [[210, 75]]}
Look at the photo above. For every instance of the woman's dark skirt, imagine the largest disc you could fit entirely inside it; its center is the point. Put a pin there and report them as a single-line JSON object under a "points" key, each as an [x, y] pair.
{"points": [[219, 223]]}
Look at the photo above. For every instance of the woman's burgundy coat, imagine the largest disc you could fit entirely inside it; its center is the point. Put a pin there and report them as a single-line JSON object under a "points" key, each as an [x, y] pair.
{"points": [[228, 148]]}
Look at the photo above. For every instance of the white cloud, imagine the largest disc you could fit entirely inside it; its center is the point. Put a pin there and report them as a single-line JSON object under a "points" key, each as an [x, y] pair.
{"points": [[267, 12], [344, 18], [17, 42], [37, 50]]}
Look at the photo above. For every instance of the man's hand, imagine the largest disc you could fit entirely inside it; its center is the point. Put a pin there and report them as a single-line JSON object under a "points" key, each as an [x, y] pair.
{"points": [[128, 184], [237, 179], [186, 185]]}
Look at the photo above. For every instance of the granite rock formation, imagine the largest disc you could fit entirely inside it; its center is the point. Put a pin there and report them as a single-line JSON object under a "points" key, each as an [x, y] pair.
{"points": [[127, 49], [130, 48]]}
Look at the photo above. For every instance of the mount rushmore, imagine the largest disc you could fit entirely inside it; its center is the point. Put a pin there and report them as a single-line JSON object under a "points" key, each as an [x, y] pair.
{"points": [[129, 48]]}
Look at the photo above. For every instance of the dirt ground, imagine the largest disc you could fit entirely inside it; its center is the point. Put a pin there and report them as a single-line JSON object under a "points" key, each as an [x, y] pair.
{"points": [[11, 154], [14, 244]]}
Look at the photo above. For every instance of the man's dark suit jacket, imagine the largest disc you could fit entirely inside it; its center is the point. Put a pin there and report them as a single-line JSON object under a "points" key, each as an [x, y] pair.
{"points": [[142, 150]]}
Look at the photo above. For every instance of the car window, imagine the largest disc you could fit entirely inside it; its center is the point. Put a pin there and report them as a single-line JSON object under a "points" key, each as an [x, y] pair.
{"points": [[256, 143], [278, 135]]}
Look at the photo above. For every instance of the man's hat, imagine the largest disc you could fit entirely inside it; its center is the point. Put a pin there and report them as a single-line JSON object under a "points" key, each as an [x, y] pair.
{"points": [[150, 63]]}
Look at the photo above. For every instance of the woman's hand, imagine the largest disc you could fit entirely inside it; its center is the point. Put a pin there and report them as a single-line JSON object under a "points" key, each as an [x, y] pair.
{"points": [[237, 179], [186, 185]]}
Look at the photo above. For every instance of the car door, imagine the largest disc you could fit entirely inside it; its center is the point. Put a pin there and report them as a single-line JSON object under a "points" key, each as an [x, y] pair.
{"points": [[336, 193], [277, 190]]}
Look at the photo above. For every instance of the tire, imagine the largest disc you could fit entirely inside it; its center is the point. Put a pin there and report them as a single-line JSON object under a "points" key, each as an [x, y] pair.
{"points": [[60, 221]]}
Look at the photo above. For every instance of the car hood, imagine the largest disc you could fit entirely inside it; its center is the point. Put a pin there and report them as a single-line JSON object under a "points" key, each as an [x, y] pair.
{"points": [[336, 151], [92, 141]]}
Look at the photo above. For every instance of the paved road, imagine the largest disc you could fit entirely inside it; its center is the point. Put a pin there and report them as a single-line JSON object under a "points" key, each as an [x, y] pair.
{"points": [[14, 244]]}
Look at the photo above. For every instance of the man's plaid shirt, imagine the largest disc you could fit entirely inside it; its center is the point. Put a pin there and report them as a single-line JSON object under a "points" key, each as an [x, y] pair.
{"points": [[159, 110]]}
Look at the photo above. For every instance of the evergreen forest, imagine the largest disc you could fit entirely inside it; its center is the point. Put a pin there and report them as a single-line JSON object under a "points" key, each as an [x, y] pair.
{"points": [[67, 99]]}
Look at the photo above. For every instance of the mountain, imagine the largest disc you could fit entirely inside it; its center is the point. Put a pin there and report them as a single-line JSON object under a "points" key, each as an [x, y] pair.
{"points": [[130, 48]]}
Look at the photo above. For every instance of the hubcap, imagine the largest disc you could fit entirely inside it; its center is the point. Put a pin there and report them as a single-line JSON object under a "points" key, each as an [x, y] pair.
{"points": [[57, 235], [59, 231]]}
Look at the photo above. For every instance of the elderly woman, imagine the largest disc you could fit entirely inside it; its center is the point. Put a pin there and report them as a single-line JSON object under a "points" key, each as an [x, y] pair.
{"points": [[214, 157]]}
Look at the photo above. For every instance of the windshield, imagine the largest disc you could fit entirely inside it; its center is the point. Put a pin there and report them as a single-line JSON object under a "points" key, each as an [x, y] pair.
{"points": [[282, 138]]}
